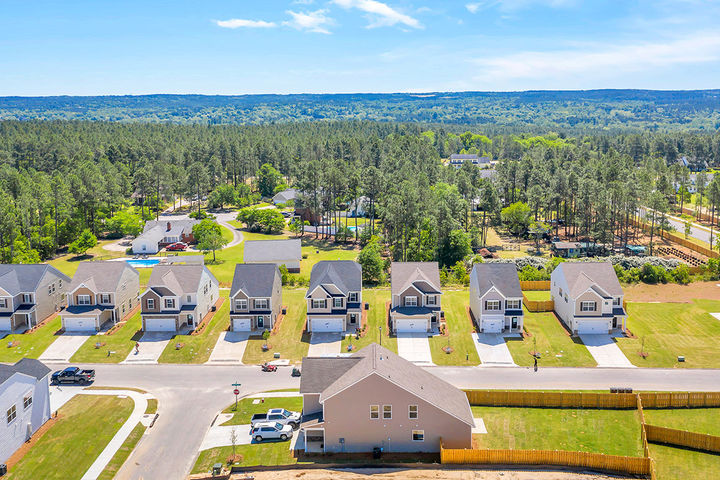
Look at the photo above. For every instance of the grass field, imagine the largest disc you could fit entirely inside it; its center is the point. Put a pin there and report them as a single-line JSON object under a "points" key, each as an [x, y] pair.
{"points": [[613, 432], [672, 329], [556, 348], [68, 264], [85, 426], [699, 420], [30, 345], [269, 453], [289, 341], [246, 408], [680, 464], [538, 295], [120, 342], [123, 453], [459, 335], [375, 318]]}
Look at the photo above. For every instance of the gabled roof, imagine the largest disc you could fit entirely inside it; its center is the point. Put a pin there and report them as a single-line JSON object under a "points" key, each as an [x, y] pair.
{"points": [[502, 276], [425, 276], [329, 376], [101, 276], [581, 276], [28, 366], [180, 279], [18, 278], [285, 195], [344, 275], [272, 250], [255, 279], [177, 226]]}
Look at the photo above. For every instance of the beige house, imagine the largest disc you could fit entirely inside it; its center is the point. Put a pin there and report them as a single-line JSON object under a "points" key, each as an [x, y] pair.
{"points": [[415, 289], [255, 297], [588, 297], [100, 294], [374, 398], [178, 297], [496, 297], [29, 293], [334, 297]]}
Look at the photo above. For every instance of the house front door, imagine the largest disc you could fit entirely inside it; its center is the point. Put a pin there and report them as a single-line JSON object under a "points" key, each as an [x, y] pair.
{"points": [[190, 320], [353, 318], [261, 321], [615, 322], [514, 322]]}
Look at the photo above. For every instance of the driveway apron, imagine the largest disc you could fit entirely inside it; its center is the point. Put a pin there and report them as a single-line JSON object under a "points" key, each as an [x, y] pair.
{"points": [[230, 348], [62, 349], [324, 343], [414, 347], [605, 351], [152, 345], [493, 350]]}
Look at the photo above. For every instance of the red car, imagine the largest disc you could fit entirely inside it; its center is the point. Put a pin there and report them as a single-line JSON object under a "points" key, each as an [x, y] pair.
{"points": [[177, 247]]}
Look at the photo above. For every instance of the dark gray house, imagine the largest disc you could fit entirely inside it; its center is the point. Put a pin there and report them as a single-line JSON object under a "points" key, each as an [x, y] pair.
{"points": [[334, 297], [255, 297]]}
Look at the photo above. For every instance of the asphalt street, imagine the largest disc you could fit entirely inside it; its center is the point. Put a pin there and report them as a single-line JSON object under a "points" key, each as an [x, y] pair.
{"points": [[696, 231], [190, 396]]}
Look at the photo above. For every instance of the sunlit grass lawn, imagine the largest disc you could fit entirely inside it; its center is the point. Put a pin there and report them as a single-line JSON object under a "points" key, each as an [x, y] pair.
{"points": [[556, 348], [121, 343], [460, 328], [699, 420], [85, 426], [680, 464], [197, 348], [123, 453], [613, 432], [30, 345], [672, 329], [246, 408], [538, 295], [376, 297], [267, 453], [68, 264], [289, 341]]}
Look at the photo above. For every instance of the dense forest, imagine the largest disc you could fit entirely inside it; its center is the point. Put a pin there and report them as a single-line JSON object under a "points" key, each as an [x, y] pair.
{"points": [[494, 112], [61, 179]]}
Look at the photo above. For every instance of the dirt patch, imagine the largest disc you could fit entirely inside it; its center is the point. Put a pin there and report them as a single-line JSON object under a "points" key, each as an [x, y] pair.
{"points": [[385, 474], [671, 292]]}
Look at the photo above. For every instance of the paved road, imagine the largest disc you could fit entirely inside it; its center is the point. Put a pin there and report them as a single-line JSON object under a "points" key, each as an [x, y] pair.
{"points": [[223, 219], [191, 395], [697, 232]]}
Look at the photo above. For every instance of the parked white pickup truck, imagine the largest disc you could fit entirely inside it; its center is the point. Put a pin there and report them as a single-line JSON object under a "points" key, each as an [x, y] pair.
{"points": [[277, 415], [271, 431]]}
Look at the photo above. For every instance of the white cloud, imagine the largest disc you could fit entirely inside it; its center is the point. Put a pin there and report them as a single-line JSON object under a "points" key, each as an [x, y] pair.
{"points": [[380, 14], [316, 21], [243, 23], [512, 5], [303, 2]]}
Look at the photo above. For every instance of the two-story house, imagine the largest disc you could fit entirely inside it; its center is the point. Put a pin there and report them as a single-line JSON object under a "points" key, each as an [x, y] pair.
{"points": [[25, 399], [334, 297], [588, 297], [178, 297], [415, 290], [255, 297], [374, 398], [100, 294], [496, 297], [29, 293]]}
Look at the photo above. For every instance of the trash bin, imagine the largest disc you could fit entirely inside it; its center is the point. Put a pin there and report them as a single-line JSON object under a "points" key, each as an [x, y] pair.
{"points": [[217, 469], [3, 469], [377, 453]]}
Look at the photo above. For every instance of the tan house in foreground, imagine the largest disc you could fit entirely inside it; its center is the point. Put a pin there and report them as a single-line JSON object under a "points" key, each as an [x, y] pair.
{"points": [[374, 398]]}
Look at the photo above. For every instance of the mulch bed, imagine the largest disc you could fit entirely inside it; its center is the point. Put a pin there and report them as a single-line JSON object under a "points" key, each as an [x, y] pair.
{"points": [[278, 321], [205, 321], [387, 319], [43, 322]]}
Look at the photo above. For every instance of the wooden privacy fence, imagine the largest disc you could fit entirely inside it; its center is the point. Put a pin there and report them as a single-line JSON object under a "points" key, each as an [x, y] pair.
{"points": [[535, 284], [499, 398], [680, 399], [683, 438], [538, 305], [679, 240], [560, 458]]}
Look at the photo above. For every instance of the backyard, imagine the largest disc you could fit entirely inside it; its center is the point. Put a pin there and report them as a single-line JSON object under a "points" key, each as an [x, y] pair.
{"points": [[680, 464], [699, 420], [459, 336], [537, 295]]}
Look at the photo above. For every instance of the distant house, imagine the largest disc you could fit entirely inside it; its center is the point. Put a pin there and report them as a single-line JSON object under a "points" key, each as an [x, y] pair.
{"points": [[376, 399], [334, 296], [496, 297], [278, 252], [158, 234], [457, 159], [178, 297], [100, 293], [25, 398], [415, 289], [359, 207], [285, 196], [588, 297], [29, 293], [567, 249], [255, 297]]}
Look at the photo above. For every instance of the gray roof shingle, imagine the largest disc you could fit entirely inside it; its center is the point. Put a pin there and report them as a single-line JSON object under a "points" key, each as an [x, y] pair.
{"points": [[180, 279], [346, 275], [503, 276], [28, 366], [18, 278], [255, 279], [425, 276], [272, 250], [103, 275], [583, 275]]}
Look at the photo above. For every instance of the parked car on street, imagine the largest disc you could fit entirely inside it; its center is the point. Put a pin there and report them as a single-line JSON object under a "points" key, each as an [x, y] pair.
{"points": [[177, 247], [271, 431], [73, 375], [277, 415]]}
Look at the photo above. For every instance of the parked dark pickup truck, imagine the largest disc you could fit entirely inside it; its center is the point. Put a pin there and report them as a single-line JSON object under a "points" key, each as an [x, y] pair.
{"points": [[73, 375]]}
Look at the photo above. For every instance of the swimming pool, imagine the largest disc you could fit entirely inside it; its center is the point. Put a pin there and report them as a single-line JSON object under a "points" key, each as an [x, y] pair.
{"points": [[142, 262]]}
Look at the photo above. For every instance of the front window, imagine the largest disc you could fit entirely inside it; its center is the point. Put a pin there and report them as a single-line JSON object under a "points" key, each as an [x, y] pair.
{"points": [[418, 435], [105, 298], [587, 306], [337, 302], [431, 299], [240, 304], [3, 302], [387, 412], [353, 297], [492, 305], [27, 401], [83, 299], [512, 304], [261, 303], [27, 298], [411, 301], [169, 303], [11, 414], [413, 411], [318, 303], [151, 303], [374, 412], [616, 301]]}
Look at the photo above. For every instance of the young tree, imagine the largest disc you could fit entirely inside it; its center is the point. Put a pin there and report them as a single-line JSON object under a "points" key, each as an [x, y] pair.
{"points": [[517, 217], [212, 240], [372, 262], [267, 179], [86, 241]]}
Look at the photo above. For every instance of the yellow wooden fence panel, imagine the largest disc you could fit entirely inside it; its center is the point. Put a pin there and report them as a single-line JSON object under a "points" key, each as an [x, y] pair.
{"points": [[680, 399], [498, 398], [539, 305], [683, 438], [535, 284]]}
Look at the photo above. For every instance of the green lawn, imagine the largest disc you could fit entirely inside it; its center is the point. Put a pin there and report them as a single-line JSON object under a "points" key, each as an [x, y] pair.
{"points": [[459, 337], [376, 297], [556, 348], [68, 264], [319, 250], [289, 341], [85, 426], [672, 329], [613, 432], [680, 464], [30, 345], [268, 453], [537, 295], [123, 453], [699, 420], [120, 342], [197, 348], [246, 408]]}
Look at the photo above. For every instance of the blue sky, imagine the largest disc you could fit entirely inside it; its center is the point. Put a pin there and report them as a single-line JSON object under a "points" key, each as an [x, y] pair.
{"points": [[98, 47]]}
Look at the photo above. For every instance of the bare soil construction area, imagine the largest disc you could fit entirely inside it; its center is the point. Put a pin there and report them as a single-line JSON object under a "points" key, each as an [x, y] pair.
{"points": [[671, 292], [385, 474]]}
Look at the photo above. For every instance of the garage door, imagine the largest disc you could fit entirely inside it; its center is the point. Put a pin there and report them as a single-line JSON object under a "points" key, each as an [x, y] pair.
{"points": [[5, 324], [493, 324], [326, 324], [403, 325], [241, 324], [592, 326], [79, 324], [160, 324]]}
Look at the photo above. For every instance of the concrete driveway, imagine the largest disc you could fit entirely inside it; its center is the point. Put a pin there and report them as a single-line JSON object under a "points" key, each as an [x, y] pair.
{"points": [[64, 347], [324, 343], [220, 436], [493, 350], [414, 347], [152, 345], [605, 351], [230, 348]]}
